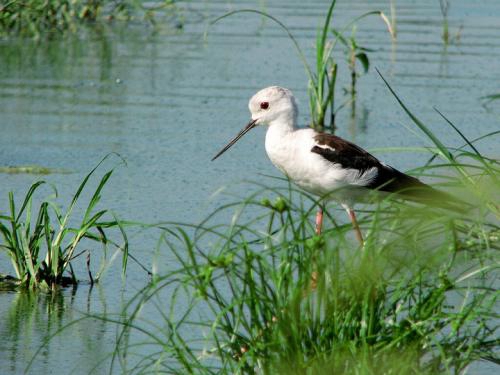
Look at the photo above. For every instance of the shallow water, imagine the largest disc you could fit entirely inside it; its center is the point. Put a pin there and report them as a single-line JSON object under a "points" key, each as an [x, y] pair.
{"points": [[167, 101]]}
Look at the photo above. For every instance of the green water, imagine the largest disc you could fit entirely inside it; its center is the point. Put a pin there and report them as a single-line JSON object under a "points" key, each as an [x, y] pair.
{"points": [[166, 101]]}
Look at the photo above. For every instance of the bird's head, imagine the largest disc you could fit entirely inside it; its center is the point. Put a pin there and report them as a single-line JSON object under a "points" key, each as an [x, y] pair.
{"points": [[269, 106], [273, 104]]}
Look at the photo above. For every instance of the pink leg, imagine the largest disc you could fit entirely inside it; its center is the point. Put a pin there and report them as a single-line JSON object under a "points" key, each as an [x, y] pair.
{"points": [[319, 224], [319, 221], [352, 216]]}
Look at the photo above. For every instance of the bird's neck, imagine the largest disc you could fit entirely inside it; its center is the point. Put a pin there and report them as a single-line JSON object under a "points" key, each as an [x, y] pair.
{"points": [[283, 124], [276, 137], [279, 143]]}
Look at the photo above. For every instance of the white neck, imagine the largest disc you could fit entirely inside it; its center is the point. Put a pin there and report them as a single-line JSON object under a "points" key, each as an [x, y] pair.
{"points": [[279, 129], [285, 123], [277, 146]]}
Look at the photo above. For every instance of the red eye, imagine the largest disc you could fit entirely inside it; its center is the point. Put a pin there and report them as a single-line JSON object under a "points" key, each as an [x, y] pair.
{"points": [[264, 105]]}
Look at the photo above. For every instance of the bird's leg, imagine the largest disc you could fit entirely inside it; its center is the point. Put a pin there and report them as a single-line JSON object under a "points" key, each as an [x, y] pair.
{"points": [[319, 224], [352, 216], [319, 220]]}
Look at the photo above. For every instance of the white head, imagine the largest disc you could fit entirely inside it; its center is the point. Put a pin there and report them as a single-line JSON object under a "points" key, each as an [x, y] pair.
{"points": [[272, 104], [269, 106]]}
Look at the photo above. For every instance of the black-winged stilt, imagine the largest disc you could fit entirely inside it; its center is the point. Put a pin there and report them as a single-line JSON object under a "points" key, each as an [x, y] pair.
{"points": [[323, 163]]}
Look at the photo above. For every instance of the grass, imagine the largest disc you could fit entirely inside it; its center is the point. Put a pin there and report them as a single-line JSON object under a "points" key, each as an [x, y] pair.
{"points": [[40, 18], [43, 243], [444, 5], [490, 98], [254, 290], [322, 75], [393, 19], [354, 53]]}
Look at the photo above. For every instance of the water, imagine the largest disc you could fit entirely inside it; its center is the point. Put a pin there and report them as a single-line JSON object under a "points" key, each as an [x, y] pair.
{"points": [[167, 102]]}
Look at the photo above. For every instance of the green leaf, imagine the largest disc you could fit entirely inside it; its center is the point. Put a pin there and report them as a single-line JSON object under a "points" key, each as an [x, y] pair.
{"points": [[363, 58], [490, 98]]}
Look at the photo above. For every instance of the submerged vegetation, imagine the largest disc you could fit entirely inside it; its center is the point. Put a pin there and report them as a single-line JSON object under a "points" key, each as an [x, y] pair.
{"points": [[32, 169], [43, 244]]}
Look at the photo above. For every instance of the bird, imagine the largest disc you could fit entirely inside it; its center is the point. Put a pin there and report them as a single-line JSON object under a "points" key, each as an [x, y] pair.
{"points": [[324, 164]]}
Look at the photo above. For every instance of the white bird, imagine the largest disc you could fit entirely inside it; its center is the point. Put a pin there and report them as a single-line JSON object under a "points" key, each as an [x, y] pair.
{"points": [[324, 164]]}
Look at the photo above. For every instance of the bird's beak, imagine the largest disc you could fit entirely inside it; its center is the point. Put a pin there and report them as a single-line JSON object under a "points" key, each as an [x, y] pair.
{"points": [[252, 124]]}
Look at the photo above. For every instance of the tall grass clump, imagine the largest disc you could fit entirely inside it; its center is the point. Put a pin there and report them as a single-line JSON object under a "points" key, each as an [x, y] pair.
{"points": [[42, 243], [37, 18], [254, 290], [322, 74], [34, 17]]}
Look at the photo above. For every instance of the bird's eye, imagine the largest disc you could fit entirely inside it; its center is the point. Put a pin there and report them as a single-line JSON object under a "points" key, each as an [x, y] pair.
{"points": [[264, 105]]}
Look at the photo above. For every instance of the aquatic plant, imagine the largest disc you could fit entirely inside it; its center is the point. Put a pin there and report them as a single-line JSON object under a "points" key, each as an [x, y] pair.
{"points": [[322, 76], [490, 98], [444, 5], [393, 19], [354, 53], [264, 294], [33, 17], [42, 244], [36, 18]]}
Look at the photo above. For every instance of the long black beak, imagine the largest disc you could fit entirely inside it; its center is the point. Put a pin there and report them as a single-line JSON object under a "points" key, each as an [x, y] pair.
{"points": [[252, 124]]}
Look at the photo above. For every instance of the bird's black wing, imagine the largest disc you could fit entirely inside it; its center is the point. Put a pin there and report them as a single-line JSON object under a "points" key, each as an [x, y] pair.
{"points": [[346, 154], [387, 179], [350, 156]]}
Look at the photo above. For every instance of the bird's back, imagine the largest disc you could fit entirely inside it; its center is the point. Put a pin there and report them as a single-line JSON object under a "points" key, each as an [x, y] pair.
{"points": [[322, 163]]}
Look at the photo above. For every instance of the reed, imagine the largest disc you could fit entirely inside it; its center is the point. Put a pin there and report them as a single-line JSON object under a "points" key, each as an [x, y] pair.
{"points": [[43, 243], [393, 19], [444, 5], [45, 18], [354, 54]]}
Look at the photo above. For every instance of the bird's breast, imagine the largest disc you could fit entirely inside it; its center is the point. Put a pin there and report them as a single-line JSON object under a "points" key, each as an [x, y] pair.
{"points": [[291, 153]]}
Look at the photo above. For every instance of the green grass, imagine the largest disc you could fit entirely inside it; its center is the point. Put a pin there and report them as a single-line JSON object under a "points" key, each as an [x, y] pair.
{"points": [[41, 18], [444, 5], [419, 297], [43, 243]]}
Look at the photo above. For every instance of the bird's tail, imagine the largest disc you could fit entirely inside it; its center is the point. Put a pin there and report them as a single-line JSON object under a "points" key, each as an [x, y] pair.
{"points": [[412, 189], [432, 197]]}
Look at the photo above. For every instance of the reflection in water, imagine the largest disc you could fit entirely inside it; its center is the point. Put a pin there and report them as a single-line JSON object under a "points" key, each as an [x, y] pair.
{"points": [[363, 119], [444, 61], [29, 311], [33, 317], [358, 119]]}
